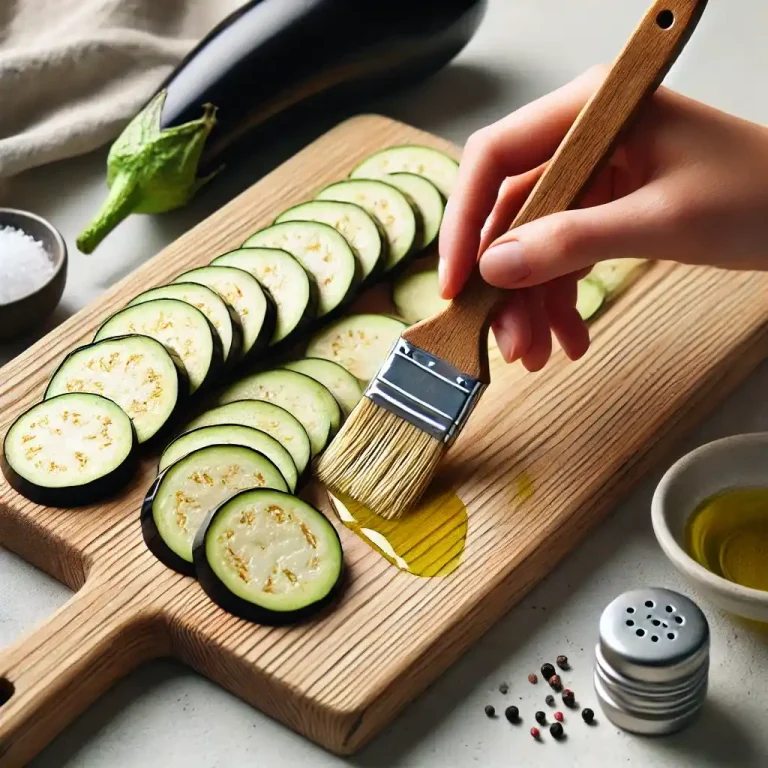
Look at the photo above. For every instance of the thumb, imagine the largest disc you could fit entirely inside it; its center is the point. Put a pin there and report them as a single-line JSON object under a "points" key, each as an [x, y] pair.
{"points": [[557, 245]]}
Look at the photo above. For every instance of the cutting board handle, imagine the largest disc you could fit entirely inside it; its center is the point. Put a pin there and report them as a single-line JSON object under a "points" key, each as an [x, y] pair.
{"points": [[54, 673], [460, 333]]}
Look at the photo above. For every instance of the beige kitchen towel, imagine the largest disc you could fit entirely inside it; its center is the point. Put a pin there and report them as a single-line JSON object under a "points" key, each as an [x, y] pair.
{"points": [[73, 72]]}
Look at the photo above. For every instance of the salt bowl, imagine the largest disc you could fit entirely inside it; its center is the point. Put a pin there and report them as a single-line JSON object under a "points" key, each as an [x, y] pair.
{"points": [[33, 271]]}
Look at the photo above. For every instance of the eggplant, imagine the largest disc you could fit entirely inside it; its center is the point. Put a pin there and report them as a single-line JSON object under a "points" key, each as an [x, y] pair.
{"points": [[265, 65]]}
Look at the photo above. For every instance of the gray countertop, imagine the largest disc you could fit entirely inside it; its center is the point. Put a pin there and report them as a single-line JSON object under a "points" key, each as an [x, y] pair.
{"points": [[166, 715]]}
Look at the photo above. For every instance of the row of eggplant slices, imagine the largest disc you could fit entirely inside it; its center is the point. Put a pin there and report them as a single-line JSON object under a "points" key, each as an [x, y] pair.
{"points": [[222, 507]]}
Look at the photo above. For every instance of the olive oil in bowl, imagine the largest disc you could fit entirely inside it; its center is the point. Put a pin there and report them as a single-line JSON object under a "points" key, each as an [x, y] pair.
{"points": [[728, 535]]}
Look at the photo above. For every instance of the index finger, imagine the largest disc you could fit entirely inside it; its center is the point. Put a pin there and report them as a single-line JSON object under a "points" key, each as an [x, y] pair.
{"points": [[510, 147]]}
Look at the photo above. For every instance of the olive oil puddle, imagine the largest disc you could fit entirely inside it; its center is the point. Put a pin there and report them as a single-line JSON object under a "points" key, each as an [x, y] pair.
{"points": [[728, 535], [428, 541]]}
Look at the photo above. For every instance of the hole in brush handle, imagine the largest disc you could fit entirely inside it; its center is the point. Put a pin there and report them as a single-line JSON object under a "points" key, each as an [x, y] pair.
{"points": [[665, 19]]}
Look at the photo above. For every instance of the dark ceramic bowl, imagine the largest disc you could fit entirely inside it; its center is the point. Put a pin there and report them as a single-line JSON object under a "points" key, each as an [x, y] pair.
{"points": [[22, 315]]}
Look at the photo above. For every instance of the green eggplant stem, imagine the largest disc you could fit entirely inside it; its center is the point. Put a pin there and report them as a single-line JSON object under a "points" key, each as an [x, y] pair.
{"points": [[124, 194], [150, 169]]}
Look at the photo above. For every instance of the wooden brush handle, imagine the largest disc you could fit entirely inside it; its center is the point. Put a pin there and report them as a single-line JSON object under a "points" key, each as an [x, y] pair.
{"points": [[460, 333]]}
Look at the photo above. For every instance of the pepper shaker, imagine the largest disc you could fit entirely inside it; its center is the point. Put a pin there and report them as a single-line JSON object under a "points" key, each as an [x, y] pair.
{"points": [[652, 661]]}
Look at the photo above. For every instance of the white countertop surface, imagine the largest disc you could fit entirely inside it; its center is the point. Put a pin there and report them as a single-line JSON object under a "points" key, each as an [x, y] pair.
{"points": [[166, 715]]}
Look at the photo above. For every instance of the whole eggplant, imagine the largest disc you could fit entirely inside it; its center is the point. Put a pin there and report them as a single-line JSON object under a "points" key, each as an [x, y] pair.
{"points": [[271, 59]]}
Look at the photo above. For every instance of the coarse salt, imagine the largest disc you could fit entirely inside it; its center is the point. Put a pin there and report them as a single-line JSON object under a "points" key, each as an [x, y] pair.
{"points": [[25, 265]]}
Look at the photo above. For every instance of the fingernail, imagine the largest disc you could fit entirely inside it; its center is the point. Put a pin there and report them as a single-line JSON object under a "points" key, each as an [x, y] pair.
{"points": [[441, 276], [504, 265]]}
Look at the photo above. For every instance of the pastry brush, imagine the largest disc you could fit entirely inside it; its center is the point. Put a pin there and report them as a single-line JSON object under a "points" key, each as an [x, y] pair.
{"points": [[389, 449]]}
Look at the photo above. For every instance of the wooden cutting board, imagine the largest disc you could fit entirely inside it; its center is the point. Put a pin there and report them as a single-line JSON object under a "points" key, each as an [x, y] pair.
{"points": [[663, 356]]}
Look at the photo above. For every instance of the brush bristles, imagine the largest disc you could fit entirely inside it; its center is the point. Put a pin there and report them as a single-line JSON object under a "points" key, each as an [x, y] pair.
{"points": [[380, 460]]}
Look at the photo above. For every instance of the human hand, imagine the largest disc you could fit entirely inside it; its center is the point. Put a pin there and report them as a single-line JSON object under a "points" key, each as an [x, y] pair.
{"points": [[688, 184]]}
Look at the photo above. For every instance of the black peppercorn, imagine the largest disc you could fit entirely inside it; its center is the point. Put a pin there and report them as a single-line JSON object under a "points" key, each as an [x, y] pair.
{"points": [[556, 729], [555, 682], [562, 662], [587, 715], [489, 710], [547, 670], [568, 698], [550, 700], [512, 713], [541, 717], [504, 688]]}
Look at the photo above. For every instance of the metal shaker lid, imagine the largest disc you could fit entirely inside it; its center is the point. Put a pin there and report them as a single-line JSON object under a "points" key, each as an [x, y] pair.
{"points": [[654, 635]]}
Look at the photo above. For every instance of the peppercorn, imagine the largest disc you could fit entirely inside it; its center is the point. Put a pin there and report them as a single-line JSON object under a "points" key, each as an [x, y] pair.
{"points": [[555, 682], [587, 715], [541, 717], [504, 688], [550, 700], [535, 732], [547, 670], [559, 717], [490, 710], [562, 662], [568, 698], [512, 713], [532, 679], [556, 730]]}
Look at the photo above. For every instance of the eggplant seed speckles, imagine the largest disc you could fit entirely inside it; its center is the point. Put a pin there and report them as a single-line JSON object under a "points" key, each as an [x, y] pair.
{"points": [[278, 514], [239, 564], [309, 536], [248, 517], [202, 478]]}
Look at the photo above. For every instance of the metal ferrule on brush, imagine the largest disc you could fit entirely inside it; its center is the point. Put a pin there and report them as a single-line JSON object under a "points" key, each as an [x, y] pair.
{"points": [[425, 391]]}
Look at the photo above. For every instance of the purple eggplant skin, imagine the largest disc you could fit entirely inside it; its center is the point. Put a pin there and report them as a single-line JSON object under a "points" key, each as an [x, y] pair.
{"points": [[280, 58]]}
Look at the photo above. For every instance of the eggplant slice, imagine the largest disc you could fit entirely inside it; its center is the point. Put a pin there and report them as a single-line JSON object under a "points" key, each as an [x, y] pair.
{"points": [[137, 372], [178, 326], [267, 417], [181, 497], [70, 450], [306, 398], [269, 557], [220, 314], [232, 434], [243, 292], [292, 289], [359, 343]]}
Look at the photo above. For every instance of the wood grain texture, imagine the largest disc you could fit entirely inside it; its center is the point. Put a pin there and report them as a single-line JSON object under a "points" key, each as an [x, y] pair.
{"points": [[459, 334], [670, 349]]}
